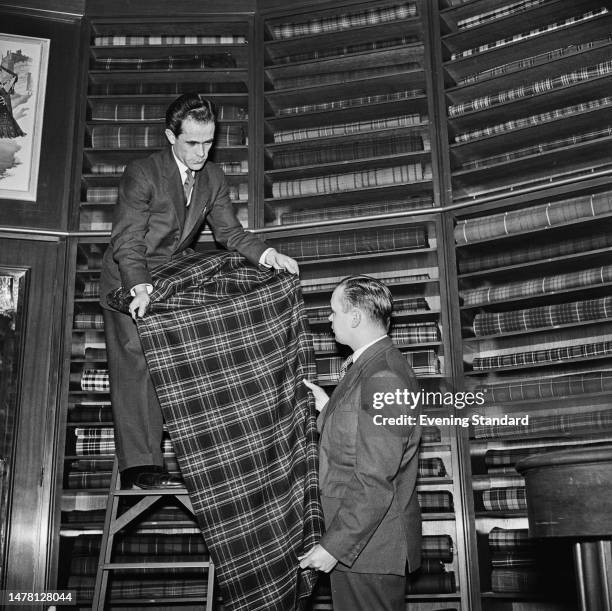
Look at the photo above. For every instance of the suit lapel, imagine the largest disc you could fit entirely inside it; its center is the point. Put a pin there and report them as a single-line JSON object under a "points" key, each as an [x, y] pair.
{"points": [[173, 187], [352, 376], [200, 198]]}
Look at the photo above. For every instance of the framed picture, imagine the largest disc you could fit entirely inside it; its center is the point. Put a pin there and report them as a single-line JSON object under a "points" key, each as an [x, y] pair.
{"points": [[23, 79]]}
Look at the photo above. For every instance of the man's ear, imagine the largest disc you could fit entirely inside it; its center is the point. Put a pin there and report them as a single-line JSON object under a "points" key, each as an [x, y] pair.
{"points": [[170, 136], [355, 317]]}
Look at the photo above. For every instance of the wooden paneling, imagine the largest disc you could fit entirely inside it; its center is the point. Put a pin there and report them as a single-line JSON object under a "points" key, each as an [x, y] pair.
{"points": [[32, 494]]}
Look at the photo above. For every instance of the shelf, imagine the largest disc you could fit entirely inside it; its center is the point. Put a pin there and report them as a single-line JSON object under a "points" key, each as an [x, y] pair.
{"points": [[218, 75], [369, 255]]}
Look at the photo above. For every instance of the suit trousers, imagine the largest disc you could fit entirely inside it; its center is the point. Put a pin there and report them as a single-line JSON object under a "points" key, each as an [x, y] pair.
{"points": [[367, 591], [136, 410]]}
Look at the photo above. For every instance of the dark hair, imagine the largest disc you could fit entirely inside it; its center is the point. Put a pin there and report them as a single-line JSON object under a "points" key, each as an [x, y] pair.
{"points": [[367, 294], [189, 105]]}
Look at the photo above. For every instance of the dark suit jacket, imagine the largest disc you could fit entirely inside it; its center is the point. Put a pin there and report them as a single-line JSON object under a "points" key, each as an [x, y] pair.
{"points": [[367, 473], [152, 223]]}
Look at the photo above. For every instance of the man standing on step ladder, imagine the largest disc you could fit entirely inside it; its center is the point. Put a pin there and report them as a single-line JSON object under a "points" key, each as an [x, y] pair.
{"points": [[163, 201]]}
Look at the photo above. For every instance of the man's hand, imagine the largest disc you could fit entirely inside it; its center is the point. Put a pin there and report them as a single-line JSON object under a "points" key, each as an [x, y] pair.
{"points": [[320, 396], [318, 558], [277, 260], [138, 306]]}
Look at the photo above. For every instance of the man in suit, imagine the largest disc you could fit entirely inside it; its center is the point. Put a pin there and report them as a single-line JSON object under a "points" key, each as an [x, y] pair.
{"points": [[367, 470], [163, 201]]}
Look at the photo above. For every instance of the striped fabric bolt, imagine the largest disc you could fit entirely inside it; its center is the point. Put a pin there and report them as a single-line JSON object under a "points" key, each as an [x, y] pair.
{"points": [[510, 539], [133, 40], [498, 13], [122, 111], [344, 21], [435, 501], [549, 316], [310, 285], [437, 547], [95, 380], [535, 217], [88, 321], [171, 62], [139, 87], [216, 342]]}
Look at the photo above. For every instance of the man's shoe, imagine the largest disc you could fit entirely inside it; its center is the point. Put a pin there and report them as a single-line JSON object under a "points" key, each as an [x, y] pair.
{"points": [[152, 480]]}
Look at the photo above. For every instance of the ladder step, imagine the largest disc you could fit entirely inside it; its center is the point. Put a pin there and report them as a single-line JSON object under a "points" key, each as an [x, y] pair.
{"points": [[110, 566], [156, 492]]}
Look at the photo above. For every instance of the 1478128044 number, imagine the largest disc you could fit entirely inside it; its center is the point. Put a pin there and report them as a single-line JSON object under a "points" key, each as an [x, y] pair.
{"points": [[53, 597]]}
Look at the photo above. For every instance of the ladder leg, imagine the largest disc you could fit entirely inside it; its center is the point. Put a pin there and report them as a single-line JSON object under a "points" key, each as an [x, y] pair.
{"points": [[210, 590]]}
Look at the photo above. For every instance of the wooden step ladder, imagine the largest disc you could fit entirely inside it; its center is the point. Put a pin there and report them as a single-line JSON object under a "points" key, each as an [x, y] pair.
{"points": [[115, 522]]}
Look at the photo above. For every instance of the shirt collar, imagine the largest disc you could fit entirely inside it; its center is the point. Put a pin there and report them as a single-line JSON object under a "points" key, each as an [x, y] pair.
{"points": [[361, 350], [181, 166]]}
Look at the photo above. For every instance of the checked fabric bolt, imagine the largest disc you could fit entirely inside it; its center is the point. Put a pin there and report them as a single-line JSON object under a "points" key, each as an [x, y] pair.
{"points": [[228, 347]]}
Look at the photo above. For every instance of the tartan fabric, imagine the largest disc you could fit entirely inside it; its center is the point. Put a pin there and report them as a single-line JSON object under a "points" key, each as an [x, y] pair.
{"points": [[423, 362], [152, 136], [424, 583], [137, 40], [227, 347], [535, 32], [509, 540], [437, 547], [342, 76], [344, 21], [512, 560], [346, 129], [407, 304], [559, 424], [536, 149], [541, 216], [548, 355], [435, 501], [583, 74], [350, 102], [430, 434], [101, 446], [341, 244], [353, 210], [534, 60], [492, 323], [95, 432], [95, 380], [531, 120], [375, 147], [509, 456], [108, 168], [538, 286], [515, 580], [121, 587], [171, 62], [84, 480], [88, 288], [533, 252], [123, 111], [329, 283], [351, 181], [138, 87], [90, 413], [371, 45], [144, 544], [503, 499], [98, 195], [87, 565], [431, 467], [488, 482], [498, 13]]}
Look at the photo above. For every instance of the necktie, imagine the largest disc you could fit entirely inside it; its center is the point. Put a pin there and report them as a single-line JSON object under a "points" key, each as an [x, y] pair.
{"points": [[345, 367], [188, 184]]}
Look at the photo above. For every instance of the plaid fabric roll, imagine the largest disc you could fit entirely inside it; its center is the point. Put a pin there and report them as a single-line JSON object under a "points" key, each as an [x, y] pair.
{"points": [[343, 76], [144, 544], [512, 560], [132, 40], [533, 252], [83, 480], [108, 168], [138, 87], [171, 62], [415, 333], [95, 354], [539, 31], [537, 149], [493, 323], [435, 501], [227, 415], [346, 129], [427, 583], [88, 321], [329, 283], [510, 456], [530, 121], [334, 183], [514, 8], [539, 286], [372, 45], [548, 355], [349, 103], [437, 547], [140, 588], [375, 147], [536, 217], [94, 432], [109, 111], [341, 244], [92, 465], [431, 467], [146, 136], [98, 195], [239, 193], [95, 380], [88, 565], [353, 210], [234, 167], [90, 446], [515, 580], [489, 482], [560, 424], [430, 434], [344, 21], [504, 499], [408, 304], [88, 289], [510, 540]]}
